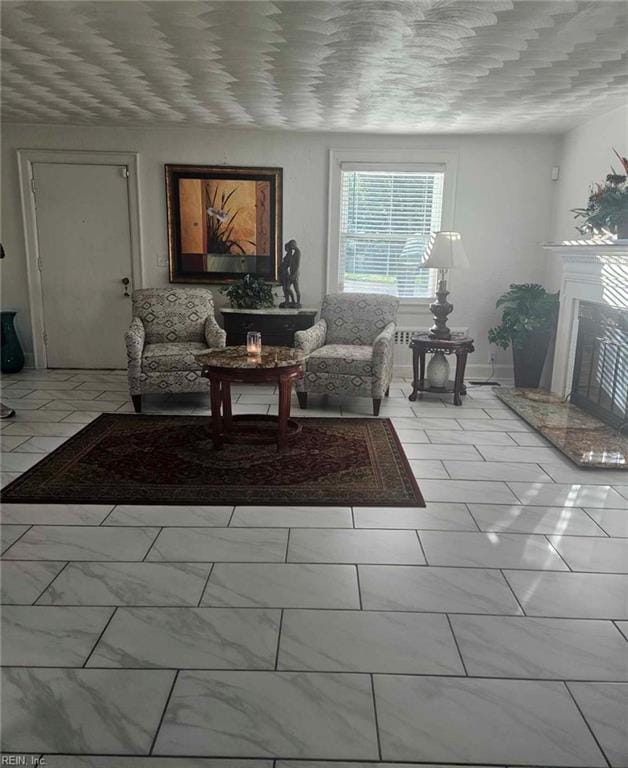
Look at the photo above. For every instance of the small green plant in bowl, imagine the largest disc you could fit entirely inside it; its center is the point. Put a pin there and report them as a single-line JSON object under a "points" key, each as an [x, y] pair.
{"points": [[251, 292]]}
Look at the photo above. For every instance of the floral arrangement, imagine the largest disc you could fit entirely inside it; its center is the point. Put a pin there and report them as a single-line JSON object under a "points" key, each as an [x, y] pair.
{"points": [[250, 293], [607, 207]]}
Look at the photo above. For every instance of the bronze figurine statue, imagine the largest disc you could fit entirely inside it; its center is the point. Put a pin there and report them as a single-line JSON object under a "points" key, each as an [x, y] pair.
{"points": [[289, 276]]}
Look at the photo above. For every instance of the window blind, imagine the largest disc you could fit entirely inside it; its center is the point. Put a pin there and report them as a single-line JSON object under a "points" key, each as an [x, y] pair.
{"points": [[380, 210]]}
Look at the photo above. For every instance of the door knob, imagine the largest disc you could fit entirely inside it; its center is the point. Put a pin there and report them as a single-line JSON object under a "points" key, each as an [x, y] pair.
{"points": [[125, 283]]}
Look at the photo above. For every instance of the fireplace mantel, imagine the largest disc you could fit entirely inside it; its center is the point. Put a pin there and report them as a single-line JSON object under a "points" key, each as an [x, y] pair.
{"points": [[585, 250], [591, 271]]}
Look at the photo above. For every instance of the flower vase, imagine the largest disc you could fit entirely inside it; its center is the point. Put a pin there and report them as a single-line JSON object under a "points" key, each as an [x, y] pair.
{"points": [[437, 373], [12, 356]]}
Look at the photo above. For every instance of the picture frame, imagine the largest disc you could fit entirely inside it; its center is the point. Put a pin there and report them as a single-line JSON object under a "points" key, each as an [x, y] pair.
{"points": [[223, 222]]}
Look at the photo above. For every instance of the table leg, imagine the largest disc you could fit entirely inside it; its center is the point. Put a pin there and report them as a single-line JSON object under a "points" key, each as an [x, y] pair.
{"points": [[215, 402], [225, 393], [461, 362], [285, 393], [463, 388], [422, 372], [415, 374]]}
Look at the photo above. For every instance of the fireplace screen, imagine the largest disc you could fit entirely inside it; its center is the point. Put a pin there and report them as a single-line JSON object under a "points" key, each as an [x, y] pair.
{"points": [[600, 379]]}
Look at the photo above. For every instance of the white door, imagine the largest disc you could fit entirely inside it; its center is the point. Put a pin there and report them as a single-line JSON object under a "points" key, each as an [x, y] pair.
{"points": [[84, 240]]}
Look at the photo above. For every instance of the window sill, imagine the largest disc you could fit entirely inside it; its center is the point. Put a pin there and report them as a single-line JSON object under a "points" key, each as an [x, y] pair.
{"points": [[414, 306], [406, 306]]}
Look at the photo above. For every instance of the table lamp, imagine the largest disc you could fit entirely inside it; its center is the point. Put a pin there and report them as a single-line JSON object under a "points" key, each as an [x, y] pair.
{"points": [[444, 252]]}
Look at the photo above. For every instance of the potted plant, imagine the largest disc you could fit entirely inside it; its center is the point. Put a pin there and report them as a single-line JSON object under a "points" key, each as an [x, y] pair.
{"points": [[607, 207], [250, 293], [528, 319]]}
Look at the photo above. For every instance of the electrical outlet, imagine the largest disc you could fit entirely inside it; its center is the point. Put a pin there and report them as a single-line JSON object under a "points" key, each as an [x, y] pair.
{"points": [[492, 357]]}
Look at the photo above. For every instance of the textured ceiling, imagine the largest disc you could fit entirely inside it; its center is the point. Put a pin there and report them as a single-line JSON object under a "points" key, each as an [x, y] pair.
{"points": [[399, 66]]}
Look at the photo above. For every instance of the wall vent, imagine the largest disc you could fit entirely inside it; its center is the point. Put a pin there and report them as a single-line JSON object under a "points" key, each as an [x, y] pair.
{"points": [[403, 336]]}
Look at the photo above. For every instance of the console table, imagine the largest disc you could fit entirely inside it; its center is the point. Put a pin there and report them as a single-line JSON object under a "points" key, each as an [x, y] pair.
{"points": [[277, 326]]}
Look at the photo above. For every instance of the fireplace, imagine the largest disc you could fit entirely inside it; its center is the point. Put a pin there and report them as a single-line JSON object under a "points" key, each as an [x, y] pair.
{"points": [[600, 374], [590, 271]]}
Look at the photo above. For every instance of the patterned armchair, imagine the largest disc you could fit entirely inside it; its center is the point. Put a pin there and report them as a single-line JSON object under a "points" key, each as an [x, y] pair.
{"points": [[169, 325], [350, 349]]}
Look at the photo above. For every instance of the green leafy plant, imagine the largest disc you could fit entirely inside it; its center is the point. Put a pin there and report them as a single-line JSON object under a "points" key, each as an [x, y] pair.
{"points": [[220, 223], [607, 206], [527, 310], [250, 293]]}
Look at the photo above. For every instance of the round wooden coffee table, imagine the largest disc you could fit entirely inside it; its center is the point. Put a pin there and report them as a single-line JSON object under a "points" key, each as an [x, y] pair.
{"points": [[277, 365]]}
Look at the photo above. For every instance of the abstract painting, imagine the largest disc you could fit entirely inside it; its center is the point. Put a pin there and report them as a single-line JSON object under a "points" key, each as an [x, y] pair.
{"points": [[223, 222]]}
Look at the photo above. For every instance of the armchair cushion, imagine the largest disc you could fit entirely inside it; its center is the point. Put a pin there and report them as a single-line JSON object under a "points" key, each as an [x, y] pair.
{"points": [[171, 357], [357, 318], [343, 359], [171, 315]]}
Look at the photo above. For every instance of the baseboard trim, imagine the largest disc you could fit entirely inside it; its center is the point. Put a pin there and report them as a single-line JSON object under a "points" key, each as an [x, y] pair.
{"points": [[502, 373]]}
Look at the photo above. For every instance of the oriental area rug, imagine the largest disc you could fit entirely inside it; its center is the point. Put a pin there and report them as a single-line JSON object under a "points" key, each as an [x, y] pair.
{"points": [[141, 459]]}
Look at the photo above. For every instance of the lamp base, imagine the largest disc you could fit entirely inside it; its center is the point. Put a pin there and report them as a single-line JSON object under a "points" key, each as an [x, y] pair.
{"points": [[440, 309]]}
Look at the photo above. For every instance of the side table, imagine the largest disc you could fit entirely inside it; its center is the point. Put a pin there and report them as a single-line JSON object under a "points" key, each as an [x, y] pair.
{"points": [[458, 345]]}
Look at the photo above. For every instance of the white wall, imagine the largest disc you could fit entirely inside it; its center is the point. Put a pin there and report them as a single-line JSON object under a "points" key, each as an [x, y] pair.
{"points": [[503, 204], [586, 157]]}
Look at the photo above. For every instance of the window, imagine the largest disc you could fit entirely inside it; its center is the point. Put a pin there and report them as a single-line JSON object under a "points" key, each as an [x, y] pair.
{"points": [[379, 211]]}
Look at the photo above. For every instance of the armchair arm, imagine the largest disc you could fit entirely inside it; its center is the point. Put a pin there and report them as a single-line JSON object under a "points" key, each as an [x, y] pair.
{"points": [[134, 338], [383, 348], [215, 336], [311, 339]]}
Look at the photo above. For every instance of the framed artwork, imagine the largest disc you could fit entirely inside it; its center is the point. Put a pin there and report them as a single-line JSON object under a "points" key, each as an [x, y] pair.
{"points": [[223, 222]]}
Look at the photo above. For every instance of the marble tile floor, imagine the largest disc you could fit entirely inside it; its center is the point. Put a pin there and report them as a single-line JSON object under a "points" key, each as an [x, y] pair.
{"points": [[488, 629]]}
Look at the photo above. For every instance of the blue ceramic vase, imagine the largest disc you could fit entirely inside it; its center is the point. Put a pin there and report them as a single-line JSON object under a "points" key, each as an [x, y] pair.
{"points": [[12, 355]]}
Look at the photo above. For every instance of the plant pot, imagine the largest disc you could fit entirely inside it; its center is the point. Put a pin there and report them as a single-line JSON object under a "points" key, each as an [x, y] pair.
{"points": [[12, 356], [528, 359]]}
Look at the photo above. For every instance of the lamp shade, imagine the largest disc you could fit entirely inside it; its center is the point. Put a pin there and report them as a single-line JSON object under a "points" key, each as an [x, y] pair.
{"points": [[445, 251]]}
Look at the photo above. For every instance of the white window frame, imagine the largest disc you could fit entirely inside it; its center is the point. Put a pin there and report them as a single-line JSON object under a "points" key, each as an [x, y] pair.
{"points": [[423, 160]]}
